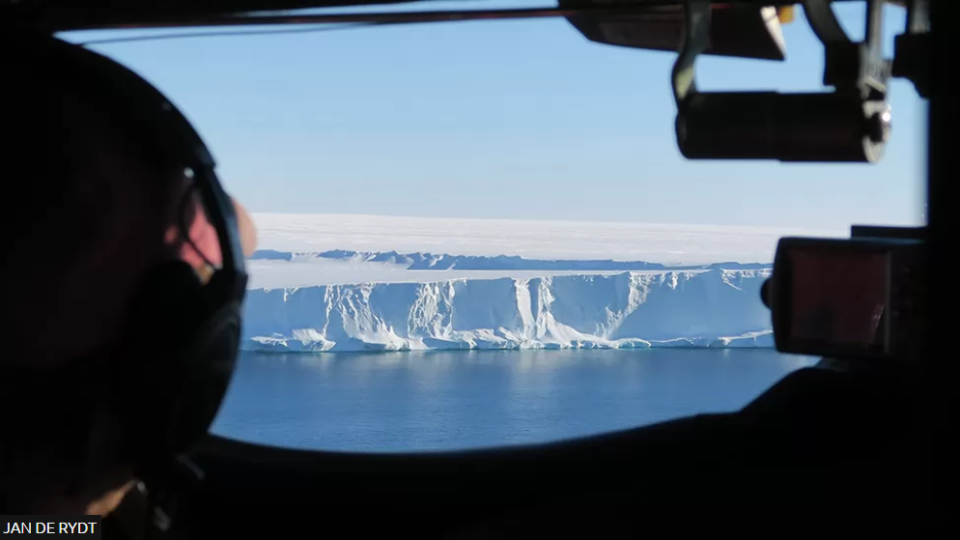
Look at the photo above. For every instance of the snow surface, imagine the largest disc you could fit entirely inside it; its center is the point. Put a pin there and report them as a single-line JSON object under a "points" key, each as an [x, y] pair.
{"points": [[358, 283], [274, 269], [266, 274], [656, 243]]}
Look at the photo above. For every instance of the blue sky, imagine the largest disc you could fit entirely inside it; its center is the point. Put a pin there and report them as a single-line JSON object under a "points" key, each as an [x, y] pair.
{"points": [[507, 119]]}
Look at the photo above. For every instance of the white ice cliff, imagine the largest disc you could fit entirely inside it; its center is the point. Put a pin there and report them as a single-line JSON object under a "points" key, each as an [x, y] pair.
{"points": [[663, 308]]}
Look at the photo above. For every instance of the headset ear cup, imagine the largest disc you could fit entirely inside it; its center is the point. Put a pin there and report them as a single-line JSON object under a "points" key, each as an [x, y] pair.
{"points": [[162, 324], [184, 340], [215, 352]]}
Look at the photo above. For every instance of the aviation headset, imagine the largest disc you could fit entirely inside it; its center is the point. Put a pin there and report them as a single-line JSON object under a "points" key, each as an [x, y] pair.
{"points": [[181, 337]]}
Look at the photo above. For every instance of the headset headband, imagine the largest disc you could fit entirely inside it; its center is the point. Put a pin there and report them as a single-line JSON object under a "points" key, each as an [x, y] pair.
{"points": [[95, 74], [153, 111]]}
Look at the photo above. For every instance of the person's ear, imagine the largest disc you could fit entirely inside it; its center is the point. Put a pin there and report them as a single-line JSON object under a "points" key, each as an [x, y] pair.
{"points": [[248, 231]]}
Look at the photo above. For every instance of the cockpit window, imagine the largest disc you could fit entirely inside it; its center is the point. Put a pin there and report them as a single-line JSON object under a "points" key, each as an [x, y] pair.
{"points": [[475, 234]]}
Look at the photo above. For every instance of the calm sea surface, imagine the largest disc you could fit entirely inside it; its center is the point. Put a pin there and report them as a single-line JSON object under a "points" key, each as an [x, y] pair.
{"points": [[374, 402]]}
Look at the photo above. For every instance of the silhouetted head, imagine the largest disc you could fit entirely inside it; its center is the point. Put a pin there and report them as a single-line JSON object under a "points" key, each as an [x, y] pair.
{"points": [[89, 209]]}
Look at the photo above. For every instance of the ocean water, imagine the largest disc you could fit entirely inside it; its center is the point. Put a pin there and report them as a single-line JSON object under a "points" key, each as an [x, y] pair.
{"points": [[445, 400]]}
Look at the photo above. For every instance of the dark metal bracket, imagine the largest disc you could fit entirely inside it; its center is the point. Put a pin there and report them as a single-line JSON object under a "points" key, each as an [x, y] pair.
{"points": [[913, 48], [850, 66], [696, 40], [851, 124]]}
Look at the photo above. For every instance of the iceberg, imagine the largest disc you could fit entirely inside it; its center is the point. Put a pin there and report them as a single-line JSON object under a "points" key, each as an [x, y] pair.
{"points": [[710, 306]]}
